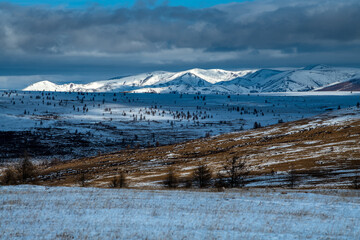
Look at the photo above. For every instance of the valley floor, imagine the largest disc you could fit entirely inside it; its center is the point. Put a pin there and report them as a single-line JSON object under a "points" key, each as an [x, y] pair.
{"points": [[36, 212], [64, 126]]}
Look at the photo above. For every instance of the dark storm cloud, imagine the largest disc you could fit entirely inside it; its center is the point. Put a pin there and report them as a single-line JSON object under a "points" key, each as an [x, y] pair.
{"points": [[258, 33]]}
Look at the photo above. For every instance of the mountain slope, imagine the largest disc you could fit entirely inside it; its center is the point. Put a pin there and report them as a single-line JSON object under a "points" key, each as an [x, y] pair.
{"points": [[351, 85]]}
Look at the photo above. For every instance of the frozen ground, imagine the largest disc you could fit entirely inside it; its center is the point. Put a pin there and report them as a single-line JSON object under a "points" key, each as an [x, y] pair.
{"points": [[33, 212], [70, 125]]}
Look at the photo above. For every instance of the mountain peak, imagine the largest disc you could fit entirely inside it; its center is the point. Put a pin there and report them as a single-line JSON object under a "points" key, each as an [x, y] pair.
{"points": [[41, 86], [317, 67]]}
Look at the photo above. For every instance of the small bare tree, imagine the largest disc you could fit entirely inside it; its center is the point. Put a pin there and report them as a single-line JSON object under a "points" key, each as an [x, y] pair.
{"points": [[202, 176], [356, 182], [236, 172], [82, 179], [292, 178], [171, 179]]}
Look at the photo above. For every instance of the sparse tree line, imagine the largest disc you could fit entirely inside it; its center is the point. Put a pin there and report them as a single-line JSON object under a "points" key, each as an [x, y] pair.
{"points": [[232, 175]]}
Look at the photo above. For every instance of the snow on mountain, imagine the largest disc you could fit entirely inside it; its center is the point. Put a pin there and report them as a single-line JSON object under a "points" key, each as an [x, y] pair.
{"points": [[215, 75], [258, 77], [193, 77], [214, 81], [187, 79], [43, 85], [307, 79]]}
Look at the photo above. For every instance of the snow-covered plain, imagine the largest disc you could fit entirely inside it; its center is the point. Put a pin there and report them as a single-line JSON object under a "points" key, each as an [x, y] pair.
{"points": [[68, 125], [34, 212]]}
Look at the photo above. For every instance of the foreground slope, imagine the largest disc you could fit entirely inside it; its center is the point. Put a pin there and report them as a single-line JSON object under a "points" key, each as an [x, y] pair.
{"points": [[324, 151], [29, 212]]}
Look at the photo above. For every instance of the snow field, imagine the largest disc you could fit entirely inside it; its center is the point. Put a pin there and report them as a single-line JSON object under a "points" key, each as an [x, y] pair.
{"points": [[106, 122], [34, 212]]}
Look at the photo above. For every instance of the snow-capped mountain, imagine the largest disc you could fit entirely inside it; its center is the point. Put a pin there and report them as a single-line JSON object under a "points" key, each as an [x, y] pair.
{"points": [[214, 81]]}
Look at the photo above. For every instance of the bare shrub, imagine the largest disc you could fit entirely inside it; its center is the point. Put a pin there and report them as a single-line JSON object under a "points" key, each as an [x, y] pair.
{"points": [[26, 170], [10, 177], [188, 183], [54, 162]]}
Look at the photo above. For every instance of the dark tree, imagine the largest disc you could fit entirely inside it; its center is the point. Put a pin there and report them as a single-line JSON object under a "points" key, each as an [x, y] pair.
{"points": [[202, 176], [221, 182], [119, 181], [236, 172], [356, 182], [257, 125], [292, 178], [171, 179], [82, 180]]}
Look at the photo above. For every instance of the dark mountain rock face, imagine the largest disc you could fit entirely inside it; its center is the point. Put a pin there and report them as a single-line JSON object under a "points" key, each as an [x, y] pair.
{"points": [[351, 85]]}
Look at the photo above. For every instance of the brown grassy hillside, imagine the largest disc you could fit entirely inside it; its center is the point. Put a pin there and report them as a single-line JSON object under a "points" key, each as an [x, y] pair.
{"points": [[322, 151]]}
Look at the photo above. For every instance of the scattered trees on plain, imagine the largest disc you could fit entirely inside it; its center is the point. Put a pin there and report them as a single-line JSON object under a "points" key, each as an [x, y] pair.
{"points": [[232, 175]]}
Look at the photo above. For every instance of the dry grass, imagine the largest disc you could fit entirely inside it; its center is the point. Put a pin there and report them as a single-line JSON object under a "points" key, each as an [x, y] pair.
{"points": [[309, 146]]}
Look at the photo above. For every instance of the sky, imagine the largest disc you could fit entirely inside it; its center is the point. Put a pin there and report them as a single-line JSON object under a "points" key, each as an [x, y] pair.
{"points": [[123, 3], [83, 41]]}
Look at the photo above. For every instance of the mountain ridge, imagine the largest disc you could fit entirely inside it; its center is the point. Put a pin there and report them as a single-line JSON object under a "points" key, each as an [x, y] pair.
{"points": [[209, 81]]}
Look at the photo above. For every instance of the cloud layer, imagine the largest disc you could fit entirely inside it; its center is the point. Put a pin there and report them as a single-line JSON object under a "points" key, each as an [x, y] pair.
{"points": [[35, 40]]}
